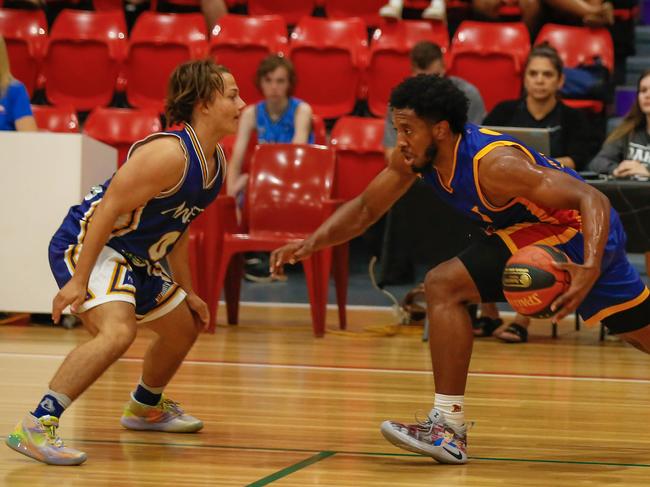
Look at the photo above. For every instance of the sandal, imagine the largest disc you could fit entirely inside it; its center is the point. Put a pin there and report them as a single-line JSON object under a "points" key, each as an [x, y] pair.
{"points": [[484, 326], [520, 332]]}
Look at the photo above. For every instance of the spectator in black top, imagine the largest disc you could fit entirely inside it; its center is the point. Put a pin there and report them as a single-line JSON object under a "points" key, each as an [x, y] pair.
{"points": [[573, 140]]}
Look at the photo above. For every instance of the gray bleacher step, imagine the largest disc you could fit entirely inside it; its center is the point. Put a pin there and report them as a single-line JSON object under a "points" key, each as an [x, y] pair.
{"points": [[642, 40], [634, 66]]}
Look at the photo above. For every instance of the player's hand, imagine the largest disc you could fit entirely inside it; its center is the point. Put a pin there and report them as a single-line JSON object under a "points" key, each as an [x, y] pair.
{"points": [[582, 280], [288, 254], [73, 294], [199, 309]]}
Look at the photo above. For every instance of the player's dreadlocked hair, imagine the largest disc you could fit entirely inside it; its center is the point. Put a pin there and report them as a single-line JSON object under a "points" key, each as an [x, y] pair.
{"points": [[191, 83], [432, 98]]}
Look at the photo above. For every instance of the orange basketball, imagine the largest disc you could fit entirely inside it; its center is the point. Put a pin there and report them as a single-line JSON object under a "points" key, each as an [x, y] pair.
{"points": [[531, 282]]}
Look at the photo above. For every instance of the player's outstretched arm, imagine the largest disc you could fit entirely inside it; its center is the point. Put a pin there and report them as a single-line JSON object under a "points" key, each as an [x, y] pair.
{"points": [[507, 173], [154, 167], [352, 218]]}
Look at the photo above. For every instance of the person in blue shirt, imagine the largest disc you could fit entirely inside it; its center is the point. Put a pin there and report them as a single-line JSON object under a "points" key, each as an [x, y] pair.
{"points": [[15, 110], [106, 259]]}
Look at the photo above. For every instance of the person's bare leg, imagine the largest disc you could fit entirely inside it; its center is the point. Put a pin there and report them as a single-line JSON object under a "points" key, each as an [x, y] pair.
{"points": [[489, 310], [113, 328], [639, 338], [531, 11], [579, 9], [212, 11], [448, 289]]}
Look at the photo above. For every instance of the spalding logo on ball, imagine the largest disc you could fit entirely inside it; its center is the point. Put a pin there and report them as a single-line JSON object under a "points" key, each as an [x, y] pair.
{"points": [[530, 281]]}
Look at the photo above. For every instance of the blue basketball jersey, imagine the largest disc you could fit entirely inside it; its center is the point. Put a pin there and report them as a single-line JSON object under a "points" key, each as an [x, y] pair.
{"points": [[280, 131], [150, 231]]}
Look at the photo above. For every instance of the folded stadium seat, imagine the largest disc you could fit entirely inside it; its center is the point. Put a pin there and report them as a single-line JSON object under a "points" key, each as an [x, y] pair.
{"points": [[159, 43], [56, 119], [291, 10], [83, 59], [25, 34], [329, 56], [121, 127], [358, 142], [491, 56], [389, 56], [240, 42], [367, 10], [103, 5], [580, 45], [288, 191]]}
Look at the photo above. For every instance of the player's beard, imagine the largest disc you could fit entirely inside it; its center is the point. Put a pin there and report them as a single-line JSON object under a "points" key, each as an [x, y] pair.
{"points": [[429, 156]]}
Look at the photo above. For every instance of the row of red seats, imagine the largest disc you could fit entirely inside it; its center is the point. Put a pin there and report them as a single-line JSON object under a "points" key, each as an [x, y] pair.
{"points": [[88, 56]]}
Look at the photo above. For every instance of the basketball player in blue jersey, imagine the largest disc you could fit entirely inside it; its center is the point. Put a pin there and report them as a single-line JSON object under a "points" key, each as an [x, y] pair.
{"points": [[520, 197], [106, 257]]}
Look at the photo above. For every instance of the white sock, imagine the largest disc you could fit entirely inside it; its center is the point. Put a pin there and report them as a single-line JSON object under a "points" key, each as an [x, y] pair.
{"points": [[64, 400], [396, 3], [452, 406]]}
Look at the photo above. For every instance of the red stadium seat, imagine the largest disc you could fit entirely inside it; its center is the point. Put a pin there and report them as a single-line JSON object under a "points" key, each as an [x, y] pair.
{"points": [[580, 45], [120, 127], [56, 119], [329, 56], [288, 191], [367, 10], [84, 57], [291, 10], [491, 56], [25, 33], [103, 5], [389, 56], [159, 43], [240, 43]]}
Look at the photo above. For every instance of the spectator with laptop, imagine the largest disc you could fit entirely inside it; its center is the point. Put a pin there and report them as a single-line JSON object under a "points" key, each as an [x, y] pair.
{"points": [[572, 142]]}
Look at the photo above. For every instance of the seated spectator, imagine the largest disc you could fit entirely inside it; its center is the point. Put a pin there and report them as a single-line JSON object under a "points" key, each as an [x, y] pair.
{"points": [[435, 11], [15, 110], [279, 118], [626, 152]]}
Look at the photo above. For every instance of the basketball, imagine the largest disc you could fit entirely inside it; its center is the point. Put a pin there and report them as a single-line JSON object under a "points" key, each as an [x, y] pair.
{"points": [[530, 281]]}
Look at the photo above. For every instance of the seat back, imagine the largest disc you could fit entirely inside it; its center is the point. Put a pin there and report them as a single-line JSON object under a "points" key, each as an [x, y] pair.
{"points": [[389, 56], [56, 119], [84, 56], [491, 56], [241, 42], [25, 34], [288, 187], [291, 10], [367, 10], [358, 142], [159, 43], [338, 48], [121, 127], [577, 45]]}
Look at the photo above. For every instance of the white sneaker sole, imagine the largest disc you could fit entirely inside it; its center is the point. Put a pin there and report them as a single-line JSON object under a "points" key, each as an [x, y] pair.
{"points": [[137, 425]]}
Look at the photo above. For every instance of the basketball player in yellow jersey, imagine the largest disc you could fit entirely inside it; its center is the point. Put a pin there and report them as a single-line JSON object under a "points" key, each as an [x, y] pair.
{"points": [[520, 197]]}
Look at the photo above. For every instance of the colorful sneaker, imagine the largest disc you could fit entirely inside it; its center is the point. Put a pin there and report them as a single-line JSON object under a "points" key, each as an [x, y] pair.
{"points": [[167, 416], [37, 438], [432, 437]]}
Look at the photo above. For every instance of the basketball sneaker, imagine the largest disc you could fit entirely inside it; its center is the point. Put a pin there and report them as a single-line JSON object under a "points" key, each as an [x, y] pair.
{"points": [[37, 438], [432, 437], [167, 416]]}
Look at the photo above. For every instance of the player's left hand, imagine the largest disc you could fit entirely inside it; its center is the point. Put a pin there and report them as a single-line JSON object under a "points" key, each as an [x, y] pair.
{"points": [[199, 309], [582, 280]]}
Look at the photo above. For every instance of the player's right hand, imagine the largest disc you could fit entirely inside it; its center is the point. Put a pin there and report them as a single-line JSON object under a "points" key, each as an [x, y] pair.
{"points": [[73, 294], [288, 254]]}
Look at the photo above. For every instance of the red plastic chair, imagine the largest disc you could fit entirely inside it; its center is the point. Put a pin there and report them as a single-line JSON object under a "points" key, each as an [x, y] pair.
{"points": [[159, 43], [491, 56], [240, 43], [389, 56], [291, 10], [577, 45], [318, 127], [25, 34], [120, 127], [367, 10], [56, 119], [84, 57], [288, 192], [338, 48]]}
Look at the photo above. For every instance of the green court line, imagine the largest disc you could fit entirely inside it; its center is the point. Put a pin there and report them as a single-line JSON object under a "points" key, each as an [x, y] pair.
{"points": [[292, 468], [343, 452]]}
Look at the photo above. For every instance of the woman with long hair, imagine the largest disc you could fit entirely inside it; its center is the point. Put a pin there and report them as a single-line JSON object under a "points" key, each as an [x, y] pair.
{"points": [[15, 110], [626, 152]]}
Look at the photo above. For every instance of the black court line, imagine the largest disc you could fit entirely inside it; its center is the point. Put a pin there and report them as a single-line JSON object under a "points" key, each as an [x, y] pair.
{"points": [[344, 452]]}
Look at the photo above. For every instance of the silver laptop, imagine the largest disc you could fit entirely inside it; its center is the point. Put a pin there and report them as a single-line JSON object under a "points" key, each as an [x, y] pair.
{"points": [[538, 139]]}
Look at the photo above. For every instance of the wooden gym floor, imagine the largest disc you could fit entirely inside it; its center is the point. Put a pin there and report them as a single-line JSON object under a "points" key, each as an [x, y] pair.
{"points": [[282, 408]]}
